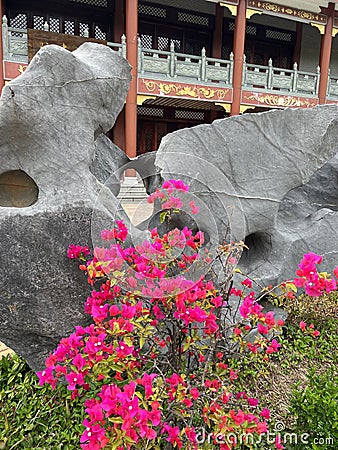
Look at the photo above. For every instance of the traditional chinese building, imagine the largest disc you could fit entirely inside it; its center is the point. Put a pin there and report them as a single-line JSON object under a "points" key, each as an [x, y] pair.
{"points": [[192, 61]]}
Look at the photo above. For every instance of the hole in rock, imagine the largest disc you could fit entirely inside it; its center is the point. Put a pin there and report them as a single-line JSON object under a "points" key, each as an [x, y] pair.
{"points": [[17, 189], [258, 251]]}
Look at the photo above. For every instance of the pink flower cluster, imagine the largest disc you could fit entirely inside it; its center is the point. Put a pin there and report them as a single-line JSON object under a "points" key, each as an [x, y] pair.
{"points": [[120, 233], [314, 283], [265, 323], [168, 201], [309, 329], [77, 251]]}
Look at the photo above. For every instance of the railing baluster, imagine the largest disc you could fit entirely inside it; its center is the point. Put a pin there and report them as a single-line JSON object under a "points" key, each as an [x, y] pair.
{"points": [[124, 46], [139, 56], [231, 68], [203, 66], [5, 39], [317, 80], [172, 60], [270, 73], [294, 77], [244, 71]]}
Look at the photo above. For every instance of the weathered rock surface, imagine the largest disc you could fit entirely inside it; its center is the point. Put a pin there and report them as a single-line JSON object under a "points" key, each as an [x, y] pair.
{"points": [[51, 116], [265, 168], [109, 163]]}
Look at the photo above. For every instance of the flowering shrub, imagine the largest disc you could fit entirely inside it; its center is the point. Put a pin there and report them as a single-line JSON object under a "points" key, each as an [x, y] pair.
{"points": [[315, 283], [153, 366]]}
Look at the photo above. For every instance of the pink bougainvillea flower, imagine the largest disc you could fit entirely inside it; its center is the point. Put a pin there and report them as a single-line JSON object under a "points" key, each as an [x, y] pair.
{"points": [[252, 401], [262, 329], [273, 347], [194, 392], [74, 379], [147, 382], [278, 443], [265, 413], [169, 185], [194, 209], [172, 203], [46, 376], [76, 251], [237, 331], [173, 433], [247, 283], [302, 325], [107, 235], [124, 350]]}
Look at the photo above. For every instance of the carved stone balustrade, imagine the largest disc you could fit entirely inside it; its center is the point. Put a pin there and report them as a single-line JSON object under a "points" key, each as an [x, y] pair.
{"points": [[175, 65], [277, 79], [332, 88], [14, 42]]}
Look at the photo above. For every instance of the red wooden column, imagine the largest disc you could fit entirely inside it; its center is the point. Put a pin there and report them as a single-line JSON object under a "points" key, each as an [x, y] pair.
{"points": [[118, 135], [325, 54], [218, 32], [131, 101], [239, 40], [2, 78]]}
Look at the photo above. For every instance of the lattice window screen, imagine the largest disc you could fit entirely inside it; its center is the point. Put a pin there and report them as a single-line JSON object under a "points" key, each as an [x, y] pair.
{"points": [[99, 34], [69, 27], [38, 22], [279, 35], [102, 3], [84, 29], [146, 41], [251, 29], [163, 43], [226, 50], [284, 62], [193, 18], [152, 11], [54, 25], [190, 115], [154, 112], [19, 21]]}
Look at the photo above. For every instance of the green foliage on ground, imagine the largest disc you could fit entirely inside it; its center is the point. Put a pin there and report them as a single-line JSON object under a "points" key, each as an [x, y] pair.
{"points": [[316, 410], [35, 417]]}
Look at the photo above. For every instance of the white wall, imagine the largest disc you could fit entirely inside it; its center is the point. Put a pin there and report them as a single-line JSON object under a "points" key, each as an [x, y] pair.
{"points": [[334, 57], [309, 56]]}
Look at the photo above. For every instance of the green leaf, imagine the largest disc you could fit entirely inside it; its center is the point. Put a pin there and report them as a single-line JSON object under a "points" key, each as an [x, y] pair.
{"points": [[163, 215]]}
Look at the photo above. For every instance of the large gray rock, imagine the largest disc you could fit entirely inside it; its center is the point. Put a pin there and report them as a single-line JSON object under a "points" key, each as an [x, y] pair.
{"points": [[50, 117], [264, 169]]}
